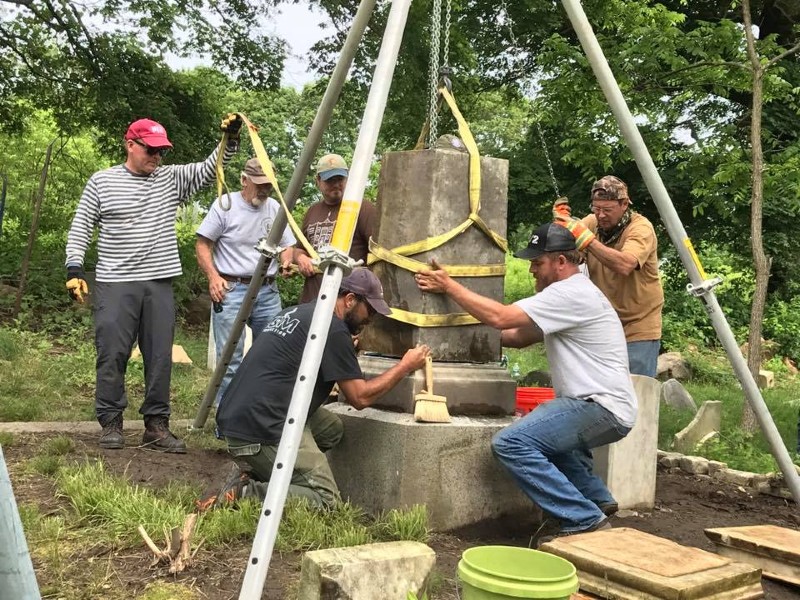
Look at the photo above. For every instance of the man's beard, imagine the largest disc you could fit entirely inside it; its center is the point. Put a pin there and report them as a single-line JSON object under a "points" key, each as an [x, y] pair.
{"points": [[354, 326], [256, 201]]}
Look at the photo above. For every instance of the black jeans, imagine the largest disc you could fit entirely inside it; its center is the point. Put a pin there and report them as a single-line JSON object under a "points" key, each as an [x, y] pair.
{"points": [[123, 313]]}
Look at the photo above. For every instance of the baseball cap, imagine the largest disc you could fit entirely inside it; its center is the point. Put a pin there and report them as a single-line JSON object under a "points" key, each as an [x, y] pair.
{"points": [[363, 282], [550, 237], [254, 172], [331, 165], [151, 133], [609, 188]]}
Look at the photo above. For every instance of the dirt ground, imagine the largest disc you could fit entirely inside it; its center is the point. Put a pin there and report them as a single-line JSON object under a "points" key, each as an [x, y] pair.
{"points": [[685, 506]]}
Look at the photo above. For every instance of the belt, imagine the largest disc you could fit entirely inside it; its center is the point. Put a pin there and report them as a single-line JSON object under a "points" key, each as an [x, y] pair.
{"points": [[245, 280]]}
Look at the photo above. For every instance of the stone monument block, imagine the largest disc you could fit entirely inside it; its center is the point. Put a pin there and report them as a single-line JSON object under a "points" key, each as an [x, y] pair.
{"points": [[470, 389], [628, 466], [423, 194], [386, 460]]}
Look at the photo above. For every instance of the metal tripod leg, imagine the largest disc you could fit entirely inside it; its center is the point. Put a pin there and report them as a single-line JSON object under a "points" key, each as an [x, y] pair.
{"points": [[699, 287], [337, 260], [321, 120]]}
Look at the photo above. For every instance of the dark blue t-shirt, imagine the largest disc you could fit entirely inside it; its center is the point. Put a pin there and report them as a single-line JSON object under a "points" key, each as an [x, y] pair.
{"points": [[256, 402]]}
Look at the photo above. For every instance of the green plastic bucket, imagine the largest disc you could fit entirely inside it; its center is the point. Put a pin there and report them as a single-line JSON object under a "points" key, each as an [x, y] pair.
{"points": [[501, 572]]}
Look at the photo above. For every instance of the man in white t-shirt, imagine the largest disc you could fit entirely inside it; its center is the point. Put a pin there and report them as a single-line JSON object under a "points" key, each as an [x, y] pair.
{"points": [[548, 451], [226, 253]]}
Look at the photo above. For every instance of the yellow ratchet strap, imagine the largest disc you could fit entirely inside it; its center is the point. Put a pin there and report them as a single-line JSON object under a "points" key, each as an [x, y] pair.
{"points": [[399, 256], [266, 166]]}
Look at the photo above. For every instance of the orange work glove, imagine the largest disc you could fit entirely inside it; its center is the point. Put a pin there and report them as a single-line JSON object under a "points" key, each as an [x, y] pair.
{"points": [[561, 208], [582, 234]]}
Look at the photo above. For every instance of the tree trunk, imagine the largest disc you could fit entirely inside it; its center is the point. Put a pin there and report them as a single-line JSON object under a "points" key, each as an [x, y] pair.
{"points": [[760, 261]]}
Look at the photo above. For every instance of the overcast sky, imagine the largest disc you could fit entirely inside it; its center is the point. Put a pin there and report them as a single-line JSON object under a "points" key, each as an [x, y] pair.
{"points": [[299, 25]]}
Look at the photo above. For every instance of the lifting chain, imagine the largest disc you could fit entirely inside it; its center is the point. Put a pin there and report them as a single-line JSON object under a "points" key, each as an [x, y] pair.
{"points": [[435, 71], [547, 157]]}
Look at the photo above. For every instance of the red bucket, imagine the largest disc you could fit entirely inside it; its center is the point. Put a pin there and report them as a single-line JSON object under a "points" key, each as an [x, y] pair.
{"points": [[529, 398]]}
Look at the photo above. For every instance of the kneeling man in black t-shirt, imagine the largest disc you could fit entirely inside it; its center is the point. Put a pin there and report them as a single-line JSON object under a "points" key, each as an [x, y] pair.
{"points": [[252, 413]]}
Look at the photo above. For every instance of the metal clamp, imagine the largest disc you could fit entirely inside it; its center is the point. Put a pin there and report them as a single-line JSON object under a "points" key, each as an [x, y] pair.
{"points": [[329, 255], [267, 249], [704, 288], [444, 78]]}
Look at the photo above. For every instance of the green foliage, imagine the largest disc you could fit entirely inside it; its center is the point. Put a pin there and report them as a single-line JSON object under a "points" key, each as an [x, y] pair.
{"points": [[45, 464], [6, 439], [10, 346], [518, 282], [409, 524]]}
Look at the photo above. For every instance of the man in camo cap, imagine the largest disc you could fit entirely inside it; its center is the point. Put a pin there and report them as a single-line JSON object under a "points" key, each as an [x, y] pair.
{"points": [[622, 260]]}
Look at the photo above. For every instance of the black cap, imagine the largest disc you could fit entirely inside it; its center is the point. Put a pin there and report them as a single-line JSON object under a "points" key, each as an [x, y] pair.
{"points": [[550, 237], [363, 282]]}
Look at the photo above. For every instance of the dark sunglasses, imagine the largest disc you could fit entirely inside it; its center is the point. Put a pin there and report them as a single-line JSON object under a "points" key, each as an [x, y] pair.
{"points": [[162, 152]]}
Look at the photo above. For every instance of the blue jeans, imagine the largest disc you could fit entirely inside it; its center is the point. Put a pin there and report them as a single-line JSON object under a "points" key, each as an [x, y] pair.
{"points": [[266, 306], [643, 357], [548, 452]]}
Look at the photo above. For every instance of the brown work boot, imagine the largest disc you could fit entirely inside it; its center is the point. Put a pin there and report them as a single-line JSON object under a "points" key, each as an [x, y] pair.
{"points": [[111, 437], [157, 436]]}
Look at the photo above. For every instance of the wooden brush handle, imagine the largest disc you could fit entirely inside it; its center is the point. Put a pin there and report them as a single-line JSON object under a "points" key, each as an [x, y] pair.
{"points": [[429, 374]]}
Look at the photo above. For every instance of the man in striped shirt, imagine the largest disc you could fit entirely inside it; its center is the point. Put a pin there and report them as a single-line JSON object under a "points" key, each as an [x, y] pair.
{"points": [[134, 207]]}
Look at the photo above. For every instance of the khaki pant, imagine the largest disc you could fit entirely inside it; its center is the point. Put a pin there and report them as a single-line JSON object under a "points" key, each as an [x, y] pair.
{"points": [[312, 477]]}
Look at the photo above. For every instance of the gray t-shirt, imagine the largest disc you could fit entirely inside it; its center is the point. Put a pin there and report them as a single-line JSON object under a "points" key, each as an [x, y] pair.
{"points": [[585, 345], [235, 233]]}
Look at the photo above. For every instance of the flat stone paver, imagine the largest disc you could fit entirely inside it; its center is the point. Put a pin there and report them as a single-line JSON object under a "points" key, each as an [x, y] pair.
{"points": [[775, 550], [624, 564]]}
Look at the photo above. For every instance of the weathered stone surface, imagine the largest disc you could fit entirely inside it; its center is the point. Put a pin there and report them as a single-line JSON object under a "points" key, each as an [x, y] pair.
{"points": [[670, 459], [386, 461], [627, 564], [743, 478], [694, 464], [629, 466], [775, 550], [470, 389], [675, 395], [423, 194], [715, 465], [766, 379], [672, 365], [707, 420], [387, 570]]}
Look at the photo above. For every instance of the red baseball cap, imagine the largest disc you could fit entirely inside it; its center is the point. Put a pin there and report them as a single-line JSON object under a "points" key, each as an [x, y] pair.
{"points": [[151, 133]]}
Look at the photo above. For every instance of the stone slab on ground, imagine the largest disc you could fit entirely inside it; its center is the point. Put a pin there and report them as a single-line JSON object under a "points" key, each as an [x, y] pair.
{"points": [[775, 550], [629, 466], [675, 395], [179, 356], [386, 460], [471, 389], [389, 570], [627, 564], [707, 420]]}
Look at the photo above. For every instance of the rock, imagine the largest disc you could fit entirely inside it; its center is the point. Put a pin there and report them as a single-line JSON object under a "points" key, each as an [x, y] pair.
{"points": [[536, 379], [768, 349], [790, 366], [705, 422], [675, 395], [715, 465], [766, 379], [390, 569], [198, 310], [672, 365], [696, 465], [740, 478], [179, 356]]}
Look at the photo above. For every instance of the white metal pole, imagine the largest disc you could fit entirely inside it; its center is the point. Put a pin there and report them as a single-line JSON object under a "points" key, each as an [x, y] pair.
{"points": [[272, 510], [17, 578], [700, 286], [320, 123]]}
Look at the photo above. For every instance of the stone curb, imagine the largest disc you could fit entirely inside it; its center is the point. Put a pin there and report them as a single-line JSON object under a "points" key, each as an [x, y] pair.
{"points": [[771, 484], [80, 426]]}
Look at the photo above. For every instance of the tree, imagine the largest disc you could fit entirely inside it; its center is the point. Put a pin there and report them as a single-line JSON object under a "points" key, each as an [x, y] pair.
{"points": [[759, 68], [102, 64]]}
